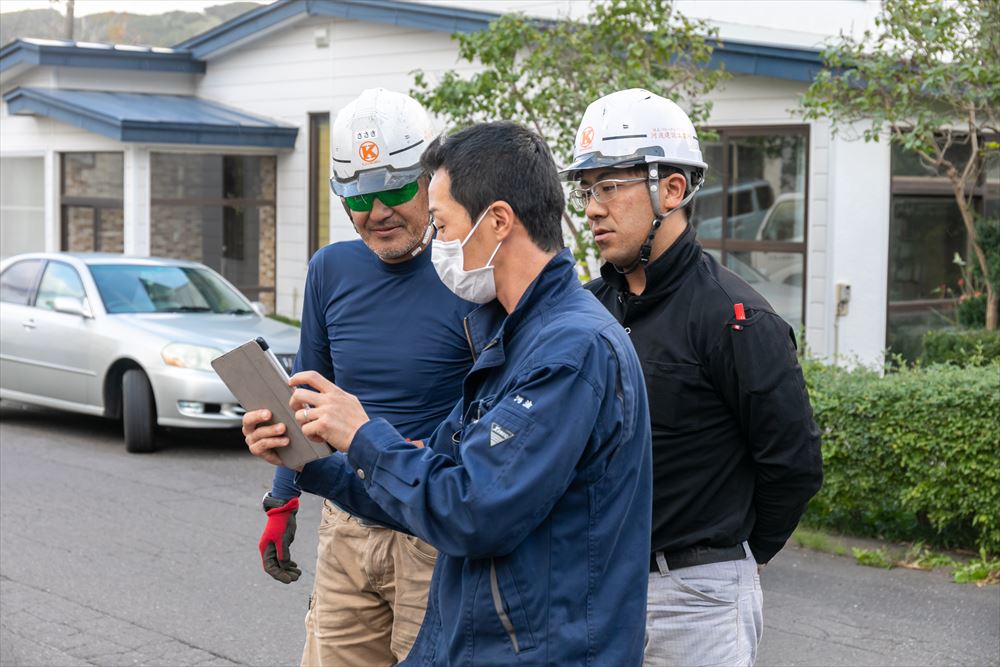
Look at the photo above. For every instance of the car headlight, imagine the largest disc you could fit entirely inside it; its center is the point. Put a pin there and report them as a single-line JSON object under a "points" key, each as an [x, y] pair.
{"points": [[196, 357]]}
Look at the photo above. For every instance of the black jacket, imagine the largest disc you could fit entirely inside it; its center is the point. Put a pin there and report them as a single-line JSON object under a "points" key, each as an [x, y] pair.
{"points": [[735, 449]]}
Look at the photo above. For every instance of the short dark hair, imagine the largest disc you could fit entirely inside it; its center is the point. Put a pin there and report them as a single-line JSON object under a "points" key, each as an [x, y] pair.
{"points": [[503, 161]]}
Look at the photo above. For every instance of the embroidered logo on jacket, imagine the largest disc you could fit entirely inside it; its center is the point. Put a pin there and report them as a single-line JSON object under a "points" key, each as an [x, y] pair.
{"points": [[499, 434]]}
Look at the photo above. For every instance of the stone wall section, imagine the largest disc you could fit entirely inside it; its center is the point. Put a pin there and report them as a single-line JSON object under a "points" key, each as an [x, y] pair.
{"points": [[176, 232], [268, 257]]}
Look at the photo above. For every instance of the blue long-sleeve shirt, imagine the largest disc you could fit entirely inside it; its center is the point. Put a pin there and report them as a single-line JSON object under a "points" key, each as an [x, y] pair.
{"points": [[391, 334]]}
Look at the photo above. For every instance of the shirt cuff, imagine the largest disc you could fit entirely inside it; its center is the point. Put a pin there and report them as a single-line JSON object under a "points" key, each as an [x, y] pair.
{"points": [[367, 446], [762, 552], [311, 477], [283, 485]]}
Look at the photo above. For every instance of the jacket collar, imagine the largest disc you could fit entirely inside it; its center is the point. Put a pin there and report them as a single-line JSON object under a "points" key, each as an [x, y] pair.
{"points": [[490, 325], [665, 273]]}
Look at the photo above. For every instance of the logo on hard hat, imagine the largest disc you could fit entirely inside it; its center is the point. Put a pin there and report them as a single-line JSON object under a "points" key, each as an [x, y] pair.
{"points": [[586, 137], [368, 151]]}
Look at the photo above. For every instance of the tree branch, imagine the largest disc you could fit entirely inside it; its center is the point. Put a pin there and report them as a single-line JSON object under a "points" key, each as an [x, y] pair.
{"points": [[975, 159]]}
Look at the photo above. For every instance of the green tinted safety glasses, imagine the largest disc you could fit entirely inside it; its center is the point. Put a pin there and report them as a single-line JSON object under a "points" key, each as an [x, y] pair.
{"points": [[388, 197]]}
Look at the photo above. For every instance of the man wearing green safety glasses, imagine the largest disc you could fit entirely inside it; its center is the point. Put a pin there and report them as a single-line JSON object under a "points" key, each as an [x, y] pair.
{"points": [[393, 222], [377, 321], [390, 198]]}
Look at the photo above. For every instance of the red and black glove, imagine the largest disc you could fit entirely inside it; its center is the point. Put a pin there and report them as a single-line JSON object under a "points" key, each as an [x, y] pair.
{"points": [[278, 534]]}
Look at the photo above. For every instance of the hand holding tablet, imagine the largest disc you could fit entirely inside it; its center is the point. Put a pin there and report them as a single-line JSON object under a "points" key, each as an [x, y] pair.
{"points": [[257, 380]]}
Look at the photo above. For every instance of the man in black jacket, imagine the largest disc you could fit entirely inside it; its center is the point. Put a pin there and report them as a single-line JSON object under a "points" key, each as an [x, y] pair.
{"points": [[735, 449]]}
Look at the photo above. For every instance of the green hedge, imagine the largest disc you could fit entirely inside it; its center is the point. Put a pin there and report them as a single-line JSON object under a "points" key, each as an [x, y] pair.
{"points": [[975, 347], [912, 455]]}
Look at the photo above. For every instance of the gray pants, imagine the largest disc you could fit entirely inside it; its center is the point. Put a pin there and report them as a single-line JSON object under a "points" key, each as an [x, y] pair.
{"points": [[704, 615]]}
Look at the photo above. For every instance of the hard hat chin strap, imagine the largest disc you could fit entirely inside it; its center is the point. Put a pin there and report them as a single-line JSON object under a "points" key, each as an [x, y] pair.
{"points": [[422, 243], [653, 186]]}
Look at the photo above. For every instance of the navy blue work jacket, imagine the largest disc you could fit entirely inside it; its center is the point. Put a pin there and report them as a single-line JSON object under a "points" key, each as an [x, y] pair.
{"points": [[536, 489]]}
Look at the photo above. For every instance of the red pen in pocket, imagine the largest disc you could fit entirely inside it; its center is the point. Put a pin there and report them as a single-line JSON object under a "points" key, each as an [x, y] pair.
{"points": [[740, 315]]}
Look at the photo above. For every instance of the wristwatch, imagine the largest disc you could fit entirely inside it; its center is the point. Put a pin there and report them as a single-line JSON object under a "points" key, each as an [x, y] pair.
{"points": [[269, 502]]}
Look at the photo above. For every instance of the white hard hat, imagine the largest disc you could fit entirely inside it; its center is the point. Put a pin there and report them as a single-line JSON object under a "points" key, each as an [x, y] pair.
{"points": [[632, 127], [377, 143]]}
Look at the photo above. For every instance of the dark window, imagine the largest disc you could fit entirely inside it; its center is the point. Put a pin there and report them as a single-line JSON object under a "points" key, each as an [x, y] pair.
{"points": [[232, 233], [18, 281], [744, 202], [751, 212], [765, 197], [926, 235], [234, 177], [908, 163]]}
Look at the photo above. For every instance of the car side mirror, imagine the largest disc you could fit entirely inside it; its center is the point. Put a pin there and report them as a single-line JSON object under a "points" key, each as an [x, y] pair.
{"points": [[260, 308], [71, 306]]}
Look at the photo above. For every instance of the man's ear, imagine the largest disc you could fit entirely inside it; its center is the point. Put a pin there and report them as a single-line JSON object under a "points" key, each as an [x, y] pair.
{"points": [[503, 220], [672, 191], [347, 210]]}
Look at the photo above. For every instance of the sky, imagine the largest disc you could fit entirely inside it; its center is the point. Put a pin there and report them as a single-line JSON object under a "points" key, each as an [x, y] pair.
{"points": [[84, 7]]}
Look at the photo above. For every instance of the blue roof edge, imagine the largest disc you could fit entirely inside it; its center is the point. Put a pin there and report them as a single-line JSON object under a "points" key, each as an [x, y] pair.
{"points": [[71, 54], [790, 63], [35, 101], [395, 12], [781, 62]]}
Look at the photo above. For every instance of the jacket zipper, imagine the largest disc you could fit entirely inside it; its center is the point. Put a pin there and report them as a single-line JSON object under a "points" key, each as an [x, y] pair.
{"points": [[498, 605], [623, 301], [468, 338]]}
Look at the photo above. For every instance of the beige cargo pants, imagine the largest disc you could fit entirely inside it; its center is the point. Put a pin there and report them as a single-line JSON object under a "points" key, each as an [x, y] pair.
{"points": [[369, 596]]}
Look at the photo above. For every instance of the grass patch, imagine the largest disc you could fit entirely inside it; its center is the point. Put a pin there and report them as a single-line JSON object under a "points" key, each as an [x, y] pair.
{"points": [[874, 558], [919, 557], [818, 541], [981, 572]]}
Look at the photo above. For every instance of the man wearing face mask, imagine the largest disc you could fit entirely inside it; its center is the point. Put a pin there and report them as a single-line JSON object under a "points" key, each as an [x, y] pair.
{"points": [[377, 320], [536, 488]]}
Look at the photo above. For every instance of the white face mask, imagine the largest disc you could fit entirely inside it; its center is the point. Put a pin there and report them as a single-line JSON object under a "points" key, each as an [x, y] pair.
{"points": [[476, 285]]}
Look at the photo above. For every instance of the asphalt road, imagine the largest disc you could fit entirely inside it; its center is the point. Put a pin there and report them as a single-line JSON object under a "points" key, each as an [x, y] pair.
{"points": [[108, 558]]}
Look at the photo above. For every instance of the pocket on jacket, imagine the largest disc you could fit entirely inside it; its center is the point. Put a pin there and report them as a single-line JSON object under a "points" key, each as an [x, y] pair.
{"points": [[509, 607], [673, 389]]}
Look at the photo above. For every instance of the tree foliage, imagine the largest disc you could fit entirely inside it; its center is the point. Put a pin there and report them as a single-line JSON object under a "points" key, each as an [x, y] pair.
{"points": [[543, 74], [928, 76]]}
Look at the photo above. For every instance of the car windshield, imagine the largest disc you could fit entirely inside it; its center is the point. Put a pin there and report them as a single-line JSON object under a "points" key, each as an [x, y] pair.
{"points": [[136, 288]]}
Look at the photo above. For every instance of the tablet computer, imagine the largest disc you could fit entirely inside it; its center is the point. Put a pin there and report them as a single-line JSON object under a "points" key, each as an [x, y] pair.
{"points": [[258, 381]]}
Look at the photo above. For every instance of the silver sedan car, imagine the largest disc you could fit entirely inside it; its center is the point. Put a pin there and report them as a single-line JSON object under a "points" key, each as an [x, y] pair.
{"points": [[127, 338]]}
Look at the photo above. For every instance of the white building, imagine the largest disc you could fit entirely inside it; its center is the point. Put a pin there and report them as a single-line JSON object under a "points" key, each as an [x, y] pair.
{"points": [[217, 150]]}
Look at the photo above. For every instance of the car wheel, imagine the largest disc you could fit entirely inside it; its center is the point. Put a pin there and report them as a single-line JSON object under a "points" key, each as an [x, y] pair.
{"points": [[138, 412]]}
